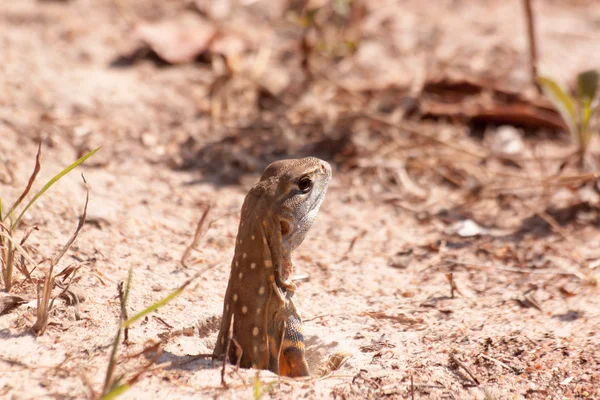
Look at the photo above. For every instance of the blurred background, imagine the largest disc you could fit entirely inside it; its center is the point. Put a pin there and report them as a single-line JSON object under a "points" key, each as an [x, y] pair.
{"points": [[464, 205]]}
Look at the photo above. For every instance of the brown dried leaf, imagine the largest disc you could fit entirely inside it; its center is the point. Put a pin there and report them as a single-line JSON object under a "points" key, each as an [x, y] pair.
{"points": [[9, 303], [485, 101], [178, 41]]}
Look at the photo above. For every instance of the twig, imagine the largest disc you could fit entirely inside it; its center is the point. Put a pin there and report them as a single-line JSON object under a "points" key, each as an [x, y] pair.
{"points": [[453, 287], [416, 131], [507, 269], [464, 367], [412, 388], [552, 222], [34, 174], [318, 316], [229, 339], [529, 20], [281, 350], [197, 236], [500, 363]]}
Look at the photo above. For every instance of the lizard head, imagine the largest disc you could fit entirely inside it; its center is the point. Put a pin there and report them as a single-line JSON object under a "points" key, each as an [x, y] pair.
{"points": [[298, 188]]}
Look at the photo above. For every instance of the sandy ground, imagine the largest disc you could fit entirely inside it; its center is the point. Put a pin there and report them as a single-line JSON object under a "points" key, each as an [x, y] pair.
{"points": [[377, 284]]}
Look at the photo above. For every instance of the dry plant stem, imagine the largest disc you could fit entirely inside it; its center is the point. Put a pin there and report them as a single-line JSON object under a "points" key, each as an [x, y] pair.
{"points": [[355, 239], [465, 368], [112, 363], [500, 363], [8, 263], [225, 359], [530, 21], [21, 267], [197, 236], [124, 316], [239, 359], [16, 245], [507, 269], [550, 221], [453, 287], [44, 301], [158, 352], [418, 132], [34, 174], [534, 184], [281, 348]]}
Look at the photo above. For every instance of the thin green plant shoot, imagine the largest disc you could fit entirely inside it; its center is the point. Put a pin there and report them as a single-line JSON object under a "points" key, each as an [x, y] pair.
{"points": [[115, 386], [9, 246], [576, 111]]}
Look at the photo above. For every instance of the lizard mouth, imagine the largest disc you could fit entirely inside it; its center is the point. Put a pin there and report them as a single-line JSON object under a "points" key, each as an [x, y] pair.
{"points": [[286, 269], [285, 227]]}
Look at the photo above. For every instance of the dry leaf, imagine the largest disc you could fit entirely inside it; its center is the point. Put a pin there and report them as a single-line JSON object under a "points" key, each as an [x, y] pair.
{"points": [[9, 303], [178, 41]]}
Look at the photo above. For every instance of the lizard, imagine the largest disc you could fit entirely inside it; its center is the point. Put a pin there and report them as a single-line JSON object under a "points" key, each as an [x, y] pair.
{"points": [[260, 303]]}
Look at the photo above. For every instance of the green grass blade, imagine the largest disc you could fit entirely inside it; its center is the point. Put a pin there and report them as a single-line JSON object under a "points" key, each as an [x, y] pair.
{"points": [[562, 101], [257, 392], [116, 391], [155, 306], [52, 182]]}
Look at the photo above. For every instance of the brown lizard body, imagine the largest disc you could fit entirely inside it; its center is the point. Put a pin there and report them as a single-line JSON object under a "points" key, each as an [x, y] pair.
{"points": [[276, 215]]}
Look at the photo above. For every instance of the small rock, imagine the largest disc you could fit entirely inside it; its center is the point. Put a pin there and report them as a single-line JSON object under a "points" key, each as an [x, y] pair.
{"points": [[466, 228], [507, 140]]}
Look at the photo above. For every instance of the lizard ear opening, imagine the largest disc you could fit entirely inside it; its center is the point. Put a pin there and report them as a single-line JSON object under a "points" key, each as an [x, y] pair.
{"points": [[285, 227]]}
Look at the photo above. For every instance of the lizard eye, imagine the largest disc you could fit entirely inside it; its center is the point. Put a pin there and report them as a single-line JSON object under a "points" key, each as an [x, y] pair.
{"points": [[304, 184]]}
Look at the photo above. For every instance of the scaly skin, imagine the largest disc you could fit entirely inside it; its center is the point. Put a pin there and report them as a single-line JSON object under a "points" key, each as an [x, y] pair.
{"points": [[276, 215]]}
